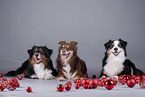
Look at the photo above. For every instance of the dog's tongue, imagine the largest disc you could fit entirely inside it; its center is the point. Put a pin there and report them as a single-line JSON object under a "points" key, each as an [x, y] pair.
{"points": [[37, 61], [64, 57], [116, 53]]}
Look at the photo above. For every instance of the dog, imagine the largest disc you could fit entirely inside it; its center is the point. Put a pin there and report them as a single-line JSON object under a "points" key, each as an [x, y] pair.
{"points": [[69, 65], [39, 65], [115, 62]]}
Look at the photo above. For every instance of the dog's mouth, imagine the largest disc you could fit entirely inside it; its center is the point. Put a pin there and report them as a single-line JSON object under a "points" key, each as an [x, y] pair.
{"points": [[65, 56], [116, 53], [38, 60]]}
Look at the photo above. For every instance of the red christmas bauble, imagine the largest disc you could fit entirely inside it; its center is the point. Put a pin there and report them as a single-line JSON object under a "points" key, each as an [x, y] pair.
{"points": [[137, 79], [114, 80], [131, 82], [94, 76], [78, 81], [94, 83], [122, 82], [120, 77], [77, 86], [104, 79], [1, 75], [90, 86], [3, 81], [12, 84], [18, 85], [85, 75], [69, 83], [60, 88], [75, 80], [142, 77], [109, 84], [2, 87], [85, 81], [85, 86], [19, 77], [133, 76], [126, 77], [142, 84], [101, 83], [96, 79], [67, 87], [29, 89]]}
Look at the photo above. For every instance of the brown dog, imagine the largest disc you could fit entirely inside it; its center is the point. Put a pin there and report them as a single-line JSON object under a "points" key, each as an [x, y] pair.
{"points": [[69, 65]]}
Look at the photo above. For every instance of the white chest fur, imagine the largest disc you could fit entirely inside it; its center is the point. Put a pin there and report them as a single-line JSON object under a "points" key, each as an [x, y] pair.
{"points": [[114, 65], [66, 72], [41, 72]]}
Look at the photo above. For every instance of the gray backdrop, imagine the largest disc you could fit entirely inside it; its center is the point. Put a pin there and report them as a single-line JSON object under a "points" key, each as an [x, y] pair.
{"points": [[24, 23]]}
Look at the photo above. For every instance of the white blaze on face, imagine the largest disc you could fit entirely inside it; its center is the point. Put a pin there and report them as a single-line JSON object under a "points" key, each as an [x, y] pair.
{"points": [[116, 50]]}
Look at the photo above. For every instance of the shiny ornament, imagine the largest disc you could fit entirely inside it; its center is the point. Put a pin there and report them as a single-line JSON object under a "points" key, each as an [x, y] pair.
{"points": [[77, 86], [60, 88], [137, 79], [142, 77], [78, 81], [85, 86], [101, 83], [131, 82], [114, 80], [3, 81], [133, 76], [94, 83], [69, 83], [109, 84], [126, 77], [12, 84], [19, 77], [18, 85], [75, 80], [1, 75], [94, 76], [85, 81], [29, 89], [67, 87], [142, 84], [90, 86], [2, 87], [85, 75]]}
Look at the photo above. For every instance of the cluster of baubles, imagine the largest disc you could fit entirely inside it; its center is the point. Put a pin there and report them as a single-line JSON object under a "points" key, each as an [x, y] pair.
{"points": [[11, 84], [108, 83]]}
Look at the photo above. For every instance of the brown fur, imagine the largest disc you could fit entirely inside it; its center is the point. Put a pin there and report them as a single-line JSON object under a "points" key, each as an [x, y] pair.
{"points": [[75, 62]]}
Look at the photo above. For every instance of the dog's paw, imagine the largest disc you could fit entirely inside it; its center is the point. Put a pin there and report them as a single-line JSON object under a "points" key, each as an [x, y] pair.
{"points": [[48, 77], [34, 76], [60, 79]]}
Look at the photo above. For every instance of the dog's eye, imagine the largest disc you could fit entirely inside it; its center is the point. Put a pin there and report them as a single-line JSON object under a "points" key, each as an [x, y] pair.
{"points": [[36, 49], [62, 45], [67, 46], [112, 45], [119, 45], [40, 49]]}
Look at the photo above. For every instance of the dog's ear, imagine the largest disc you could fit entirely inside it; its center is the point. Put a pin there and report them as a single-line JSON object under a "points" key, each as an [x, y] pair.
{"points": [[49, 51], [107, 45], [29, 51], [123, 43], [62, 42], [74, 43]]}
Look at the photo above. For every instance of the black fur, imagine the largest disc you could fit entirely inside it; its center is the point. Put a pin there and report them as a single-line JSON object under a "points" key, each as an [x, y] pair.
{"points": [[29, 67], [128, 65]]}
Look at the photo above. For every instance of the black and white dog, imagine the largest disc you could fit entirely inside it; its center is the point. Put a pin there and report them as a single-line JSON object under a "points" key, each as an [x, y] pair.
{"points": [[39, 65], [115, 62]]}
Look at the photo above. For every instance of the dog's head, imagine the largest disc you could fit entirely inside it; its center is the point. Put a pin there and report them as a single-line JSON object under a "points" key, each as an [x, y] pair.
{"points": [[116, 47], [39, 53], [67, 50]]}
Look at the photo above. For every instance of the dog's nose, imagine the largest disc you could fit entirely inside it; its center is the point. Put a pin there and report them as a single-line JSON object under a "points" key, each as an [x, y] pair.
{"points": [[63, 51], [115, 49], [36, 55]]}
